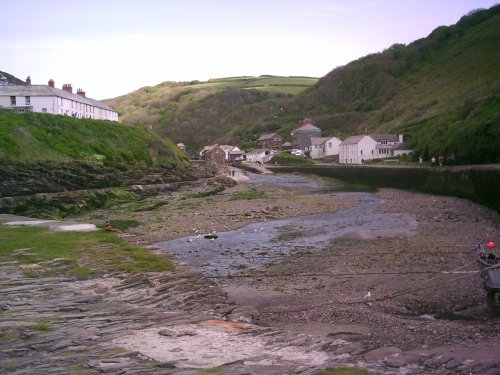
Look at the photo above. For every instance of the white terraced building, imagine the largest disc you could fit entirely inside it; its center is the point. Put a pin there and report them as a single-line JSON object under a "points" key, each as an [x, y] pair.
{"points": [[360, 148], [49, 99]]}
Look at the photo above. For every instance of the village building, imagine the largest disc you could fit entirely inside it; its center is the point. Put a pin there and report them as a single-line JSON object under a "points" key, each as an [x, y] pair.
{"points": [[301, 137], [270, 140], [360, 148], [317, 148], [236, 156], [181, 146], [402, 149], [332, 146], [260, 155], [231, 153], [49, 99], [231, 150], [324, 147]]}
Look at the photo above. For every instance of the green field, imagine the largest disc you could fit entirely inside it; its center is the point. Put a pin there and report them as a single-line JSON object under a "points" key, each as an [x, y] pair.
{"points": [[283, 85]]}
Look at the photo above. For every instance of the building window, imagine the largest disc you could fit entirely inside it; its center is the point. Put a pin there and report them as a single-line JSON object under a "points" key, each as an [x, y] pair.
{"points": [[12, 100], [44, 110], [27, 100]]}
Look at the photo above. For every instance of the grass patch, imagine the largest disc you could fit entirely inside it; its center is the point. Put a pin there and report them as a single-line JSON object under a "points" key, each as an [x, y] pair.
{"points": [[186, 206], [41, 327], [75, 253], [252, 193], [123, 224]]}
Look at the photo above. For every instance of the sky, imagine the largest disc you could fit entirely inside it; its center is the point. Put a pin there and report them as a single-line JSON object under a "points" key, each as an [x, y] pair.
{"points": [[109, 48]]}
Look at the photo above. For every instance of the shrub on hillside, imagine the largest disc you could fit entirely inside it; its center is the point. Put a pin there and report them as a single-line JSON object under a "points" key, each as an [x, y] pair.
{"points": [[287, 159]]}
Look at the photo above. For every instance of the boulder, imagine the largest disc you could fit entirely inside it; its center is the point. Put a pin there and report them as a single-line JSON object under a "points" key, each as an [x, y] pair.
{"points": [[244, 314]]}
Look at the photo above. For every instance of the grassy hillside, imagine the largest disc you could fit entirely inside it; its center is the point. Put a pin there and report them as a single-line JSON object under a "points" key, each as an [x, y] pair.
{"points": [[36, 137], [11, 79], [197, 113], [441, 92]]}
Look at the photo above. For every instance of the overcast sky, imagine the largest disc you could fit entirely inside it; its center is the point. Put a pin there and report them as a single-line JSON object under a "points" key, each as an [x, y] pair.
{"points": [[112, 47]]}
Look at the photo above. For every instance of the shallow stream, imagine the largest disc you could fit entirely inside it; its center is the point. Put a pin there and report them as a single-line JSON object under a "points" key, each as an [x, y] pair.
{"points": [[257, 244]]}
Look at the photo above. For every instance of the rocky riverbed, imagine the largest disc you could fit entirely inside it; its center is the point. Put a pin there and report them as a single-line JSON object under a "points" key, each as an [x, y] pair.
{"points": [[299, 311]]}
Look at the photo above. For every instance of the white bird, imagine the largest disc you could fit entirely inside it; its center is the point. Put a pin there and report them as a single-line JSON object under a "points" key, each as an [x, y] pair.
{"points": [[198, 236], [368, 296], [190, 240]]}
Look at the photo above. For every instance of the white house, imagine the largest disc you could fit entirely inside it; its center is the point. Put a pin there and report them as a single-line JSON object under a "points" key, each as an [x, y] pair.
{"points": [[49, 99], [262, 155], [322, 147], [317, 147], [231, 150], [332, 146], [360, 148]]}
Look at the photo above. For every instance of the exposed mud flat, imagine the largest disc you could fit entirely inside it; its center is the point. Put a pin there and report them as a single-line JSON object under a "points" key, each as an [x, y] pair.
{"points": [[257, 244], [316, 271], [296, 309]]}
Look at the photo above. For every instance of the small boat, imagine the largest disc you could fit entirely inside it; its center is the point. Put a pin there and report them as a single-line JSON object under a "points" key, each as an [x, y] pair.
{"points": [[489, 265]]}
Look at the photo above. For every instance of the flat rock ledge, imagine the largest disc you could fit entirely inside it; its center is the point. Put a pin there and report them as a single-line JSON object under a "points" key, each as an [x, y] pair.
{"points": [[172, 322]]}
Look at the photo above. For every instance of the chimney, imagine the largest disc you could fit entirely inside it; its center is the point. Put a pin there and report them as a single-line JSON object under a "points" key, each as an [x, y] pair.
{"points": [[67, 87], [51, 83], [306, 121], [80, 92], [28, 81]]}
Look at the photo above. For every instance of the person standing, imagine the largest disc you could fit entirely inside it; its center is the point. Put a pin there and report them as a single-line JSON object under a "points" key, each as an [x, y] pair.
{"points": [[420, 161]]}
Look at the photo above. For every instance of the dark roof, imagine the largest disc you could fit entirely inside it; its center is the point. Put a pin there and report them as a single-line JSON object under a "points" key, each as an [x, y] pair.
{"points": [[263, 137], [403, 146], [353, 139], [318, 140], [43, 90], [306, 127], [387, 137], [393, 138]]}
